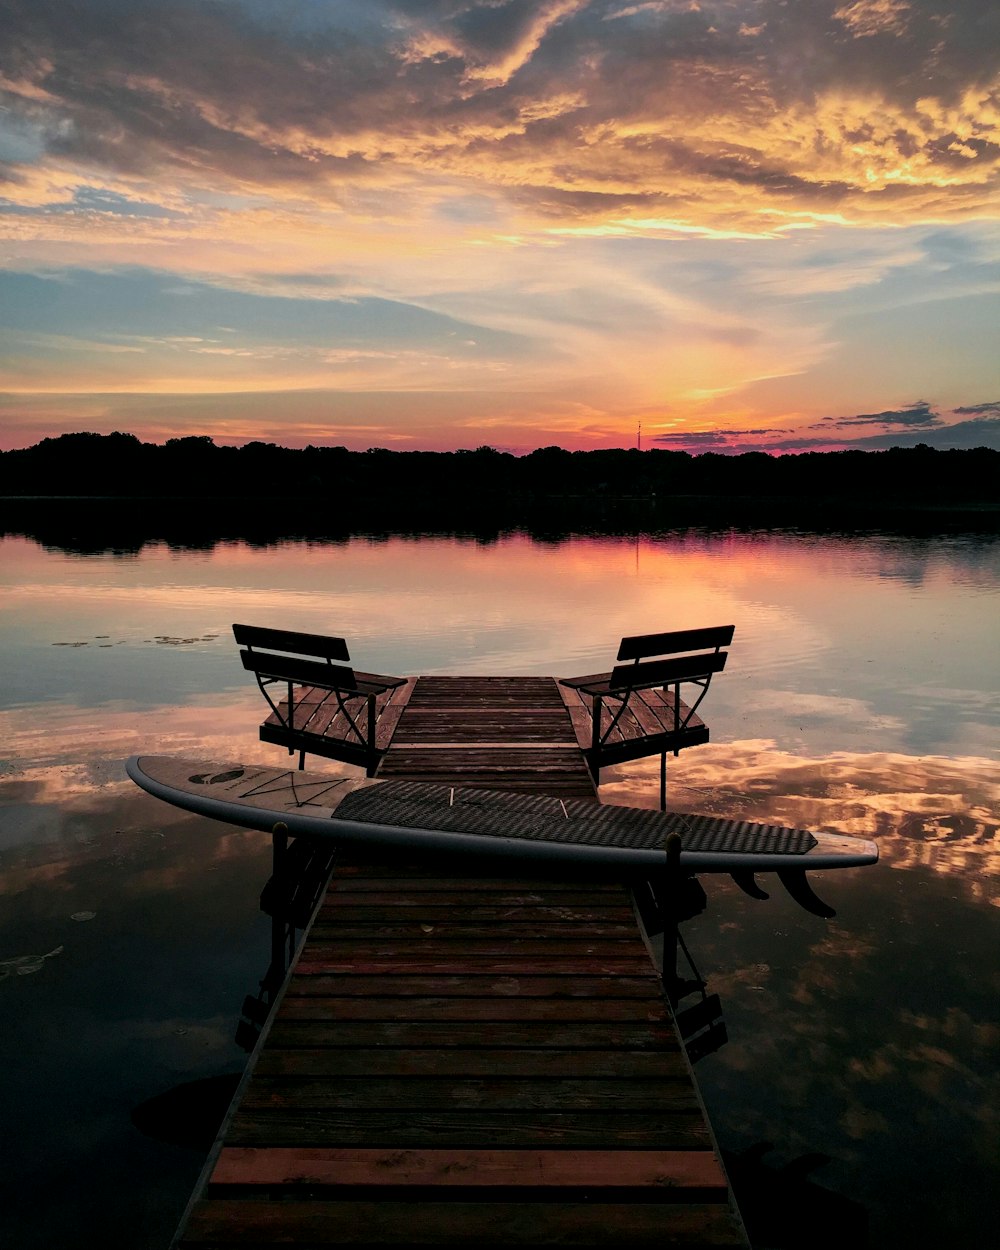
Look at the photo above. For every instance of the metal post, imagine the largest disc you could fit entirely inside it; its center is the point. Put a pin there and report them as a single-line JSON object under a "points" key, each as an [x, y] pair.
{"points": [[595, 740], [669, 912], [279, 851]]}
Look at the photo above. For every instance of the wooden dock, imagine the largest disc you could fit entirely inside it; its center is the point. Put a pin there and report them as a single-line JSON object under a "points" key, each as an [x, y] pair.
{"points": [[497, 733], [466, 1060]]}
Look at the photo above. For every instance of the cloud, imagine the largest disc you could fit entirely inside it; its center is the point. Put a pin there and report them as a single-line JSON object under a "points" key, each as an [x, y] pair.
{"points": [[632, 206], [866, 18], [709, 440], [919, 414], [703, 439], [670, 105], [983, 431], [958, 435], [989, 409]]}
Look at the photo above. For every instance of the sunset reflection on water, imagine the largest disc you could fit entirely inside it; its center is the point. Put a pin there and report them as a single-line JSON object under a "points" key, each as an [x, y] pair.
{"points": [[936, 812], [861, 697], [930, 812]]}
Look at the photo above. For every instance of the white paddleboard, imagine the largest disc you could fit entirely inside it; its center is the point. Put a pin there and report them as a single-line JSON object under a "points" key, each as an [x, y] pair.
{"points": [[416, 816]]}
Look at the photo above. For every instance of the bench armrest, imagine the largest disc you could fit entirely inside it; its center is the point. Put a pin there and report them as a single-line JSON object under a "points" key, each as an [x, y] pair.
{"points": [[648, 674], [596, 681], [315, 673]]}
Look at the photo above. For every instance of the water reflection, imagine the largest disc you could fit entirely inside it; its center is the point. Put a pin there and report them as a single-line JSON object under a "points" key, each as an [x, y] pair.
{"points": [[300, 873], [139, 996], [929, 812], [861, 697]]}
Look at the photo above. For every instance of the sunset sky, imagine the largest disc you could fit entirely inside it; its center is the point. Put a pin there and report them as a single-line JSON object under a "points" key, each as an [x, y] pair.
{"points": [[441, 223]]}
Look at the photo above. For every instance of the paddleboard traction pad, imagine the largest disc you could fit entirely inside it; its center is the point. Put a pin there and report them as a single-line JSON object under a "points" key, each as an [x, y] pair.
{"points": [[503, 814]]}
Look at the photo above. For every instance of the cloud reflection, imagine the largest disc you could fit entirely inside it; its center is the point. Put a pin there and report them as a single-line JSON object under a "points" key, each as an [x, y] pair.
{"points": [[925, 812]]}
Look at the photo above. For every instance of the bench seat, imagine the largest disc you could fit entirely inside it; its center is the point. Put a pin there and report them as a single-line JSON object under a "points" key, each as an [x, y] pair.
{"points": [[636, 709], [319, 705], [319, 725], [645, 727]]}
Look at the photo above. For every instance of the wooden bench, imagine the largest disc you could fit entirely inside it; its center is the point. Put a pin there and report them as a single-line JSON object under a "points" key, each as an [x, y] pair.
{"points": [[319, 703], [637, 710]]}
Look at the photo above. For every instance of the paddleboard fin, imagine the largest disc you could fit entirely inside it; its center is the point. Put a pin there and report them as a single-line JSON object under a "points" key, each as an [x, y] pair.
{"points": [[794, 881], [748, 884]]}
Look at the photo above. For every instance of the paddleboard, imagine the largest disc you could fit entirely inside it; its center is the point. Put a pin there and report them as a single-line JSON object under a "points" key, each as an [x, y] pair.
{"points": [[496, 824]]}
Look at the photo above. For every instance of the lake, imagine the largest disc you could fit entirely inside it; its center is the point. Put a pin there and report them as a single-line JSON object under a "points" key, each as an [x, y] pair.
{"points": [[857, 1097]]}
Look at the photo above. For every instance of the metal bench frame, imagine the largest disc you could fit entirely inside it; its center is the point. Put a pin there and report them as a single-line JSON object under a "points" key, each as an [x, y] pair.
{"points": [[659, 662], [358, 698]]}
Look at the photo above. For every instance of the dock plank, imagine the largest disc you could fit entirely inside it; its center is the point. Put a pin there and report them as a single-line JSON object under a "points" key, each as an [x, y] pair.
{"points": [[657, 1170], [259, 1224]]}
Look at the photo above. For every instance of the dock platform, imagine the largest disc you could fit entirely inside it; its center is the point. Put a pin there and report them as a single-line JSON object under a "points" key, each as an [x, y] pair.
{"points": [[462, 1060]]}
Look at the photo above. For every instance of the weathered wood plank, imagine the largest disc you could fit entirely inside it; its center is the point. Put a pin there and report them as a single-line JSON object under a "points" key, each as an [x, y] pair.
{"points": [[460, 949], [410, 1128], [453, 875], [566, 916], [484, 1061], [533, 1034], [488, 985], [619, 724], [446, 929], [570, 1095], [513, 759], [256, 1224], [390, 714], [487, 963], [452, 1169], [318, 1007], [379, 893]]}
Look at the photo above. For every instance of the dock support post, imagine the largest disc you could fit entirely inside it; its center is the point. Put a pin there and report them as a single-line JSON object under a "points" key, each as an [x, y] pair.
{"points": [[372, 764], [671, 913], [279, 925]]}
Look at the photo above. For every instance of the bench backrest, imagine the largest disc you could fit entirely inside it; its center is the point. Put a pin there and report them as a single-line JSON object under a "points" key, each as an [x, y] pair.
{"points": [[660, 659], [294, 643], [292, 666]]}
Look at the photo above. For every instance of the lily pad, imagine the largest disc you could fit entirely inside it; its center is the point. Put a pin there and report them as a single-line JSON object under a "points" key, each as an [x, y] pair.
{"points": [[25, 965]]}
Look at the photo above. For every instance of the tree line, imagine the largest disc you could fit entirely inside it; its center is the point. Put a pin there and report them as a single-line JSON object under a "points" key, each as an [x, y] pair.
{"points": [[88, 464]]}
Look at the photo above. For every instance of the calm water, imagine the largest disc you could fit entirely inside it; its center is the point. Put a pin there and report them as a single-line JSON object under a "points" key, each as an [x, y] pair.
{"points": [[858, 1090]]}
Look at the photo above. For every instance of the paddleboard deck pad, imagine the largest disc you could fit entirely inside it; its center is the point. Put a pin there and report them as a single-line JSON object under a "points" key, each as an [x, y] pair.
{"points": [[492, 823]]}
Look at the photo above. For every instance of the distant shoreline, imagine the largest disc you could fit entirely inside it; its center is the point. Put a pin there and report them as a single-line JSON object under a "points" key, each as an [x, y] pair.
{"points": [[191, 490], [85, 524]]}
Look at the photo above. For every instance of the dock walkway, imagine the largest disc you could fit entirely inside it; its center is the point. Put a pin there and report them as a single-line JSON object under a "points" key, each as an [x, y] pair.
{"points": [[461, 1060]]}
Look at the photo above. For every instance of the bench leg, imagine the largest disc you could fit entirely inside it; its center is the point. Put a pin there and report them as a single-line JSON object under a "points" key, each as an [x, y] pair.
{"points": [[302, 758], [372, 744]]}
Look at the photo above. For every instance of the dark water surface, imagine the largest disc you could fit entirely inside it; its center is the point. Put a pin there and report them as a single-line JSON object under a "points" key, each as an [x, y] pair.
{"points": [[856, 1098]]}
